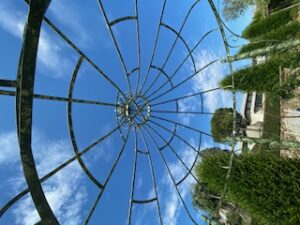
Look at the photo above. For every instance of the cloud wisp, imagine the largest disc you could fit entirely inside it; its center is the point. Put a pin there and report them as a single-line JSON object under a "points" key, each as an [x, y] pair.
{"points": [[205, 80], [209, 79], [172, 201], [51, 53], [65, 191], [70, 18]]}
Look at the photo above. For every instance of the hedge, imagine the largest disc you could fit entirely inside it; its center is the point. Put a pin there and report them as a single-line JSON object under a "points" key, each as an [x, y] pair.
{"points": [[262, 77], [280, 4], [267, 186], [283, 32], [260, 27]]}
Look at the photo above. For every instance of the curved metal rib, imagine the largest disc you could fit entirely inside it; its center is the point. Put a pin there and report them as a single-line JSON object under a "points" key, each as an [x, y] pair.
{"points": [[71, 130], [180, 30], [185, 80], [122, 19], [116, 44], [171, 176], [182, 63], [59, 168], [186, 46], [24, 107], [144, 201], [80, 52], [176, 154], [155, 45]]}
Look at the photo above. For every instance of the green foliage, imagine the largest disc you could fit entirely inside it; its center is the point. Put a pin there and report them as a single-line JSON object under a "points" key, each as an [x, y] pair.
{"points": [[234, 218], [280, 4], [266, 186], [262, 77], [263, 26], [285, 91], [232, 9], [205, 199], [284, 32], [222, 124]]}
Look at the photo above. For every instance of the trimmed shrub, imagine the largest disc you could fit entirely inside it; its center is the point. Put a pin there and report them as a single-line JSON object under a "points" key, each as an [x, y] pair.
{"points": [[262, 77], [280, 4], [284, 32], [260, 27], [268, 187]]}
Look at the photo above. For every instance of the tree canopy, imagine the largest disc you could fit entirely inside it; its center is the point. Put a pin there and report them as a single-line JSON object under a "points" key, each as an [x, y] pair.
{"points": [[232, 9], [222, 124]]}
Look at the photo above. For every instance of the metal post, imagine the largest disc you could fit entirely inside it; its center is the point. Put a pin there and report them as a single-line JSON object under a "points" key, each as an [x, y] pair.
{"points": [[263, 51]]}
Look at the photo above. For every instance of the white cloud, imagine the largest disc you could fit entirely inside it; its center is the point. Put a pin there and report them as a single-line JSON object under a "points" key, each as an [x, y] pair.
{"points": [[173, 202], [187, 105], [205, 80], [209, 143], [209, 79], [8, 150], [71, 19], [12, 22], [65, 191], [50, 52]]}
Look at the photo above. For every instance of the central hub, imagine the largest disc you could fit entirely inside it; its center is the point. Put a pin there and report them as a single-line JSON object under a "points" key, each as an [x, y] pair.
{"points": [[135, 110]]}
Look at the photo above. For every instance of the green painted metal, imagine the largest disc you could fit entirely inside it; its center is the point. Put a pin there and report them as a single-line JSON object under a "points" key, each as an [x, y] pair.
{"points": [[26, 71], [264, 51], [139, 121]]}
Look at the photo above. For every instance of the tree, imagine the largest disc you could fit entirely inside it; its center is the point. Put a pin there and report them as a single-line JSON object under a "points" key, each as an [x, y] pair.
{"points": [[265, 185], [222, 124], [232, 9]]}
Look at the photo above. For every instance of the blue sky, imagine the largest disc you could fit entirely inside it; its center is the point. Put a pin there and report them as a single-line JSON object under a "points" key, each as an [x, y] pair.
{"points": [[70, 193]]}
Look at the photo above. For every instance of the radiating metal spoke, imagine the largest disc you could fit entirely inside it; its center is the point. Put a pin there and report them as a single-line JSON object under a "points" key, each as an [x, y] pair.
{"points": [[115, 44], [182, 125], [8, 83], [183, 61], [174, 152], [155, 45], [171, 176], [184, 97], [138, 44], [133, 178], [7, 93], [190, 54], [80, 52], [178, 34], [176, 135], [181, 112], [91, 212], [61, 99], [184, 81], [59, 168], [153, 176], [74, 100]]}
